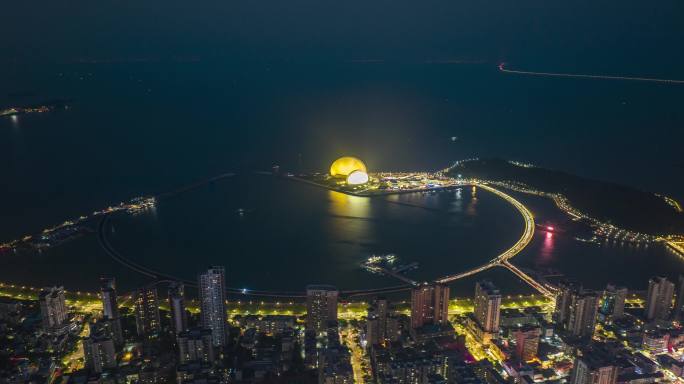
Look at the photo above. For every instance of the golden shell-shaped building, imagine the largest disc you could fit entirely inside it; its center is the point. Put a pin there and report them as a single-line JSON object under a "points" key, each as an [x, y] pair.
{"points": [[343, 166]]}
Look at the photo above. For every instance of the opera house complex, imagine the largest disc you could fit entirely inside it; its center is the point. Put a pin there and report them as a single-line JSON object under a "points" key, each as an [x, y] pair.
{"points": [[350, 169]]}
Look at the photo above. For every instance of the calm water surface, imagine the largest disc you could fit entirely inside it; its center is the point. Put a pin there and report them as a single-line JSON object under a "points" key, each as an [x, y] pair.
{"points": [[291, 234]]}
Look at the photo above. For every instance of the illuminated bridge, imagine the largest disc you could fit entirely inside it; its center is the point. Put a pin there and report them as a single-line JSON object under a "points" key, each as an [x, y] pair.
{"points": [[503, 259]]}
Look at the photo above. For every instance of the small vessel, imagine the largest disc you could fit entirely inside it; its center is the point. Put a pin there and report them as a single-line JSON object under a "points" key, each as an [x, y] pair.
{"points": [[549, 228]]}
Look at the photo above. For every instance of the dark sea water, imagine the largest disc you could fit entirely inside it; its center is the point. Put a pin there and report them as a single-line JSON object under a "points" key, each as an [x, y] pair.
{"points": [[167, 92], [280, 235], [288, 235], [291, 234]]}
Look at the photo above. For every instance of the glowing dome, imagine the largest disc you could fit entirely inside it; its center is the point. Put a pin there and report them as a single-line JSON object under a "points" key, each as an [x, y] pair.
{"points": [[357, 177], [344, 166]]}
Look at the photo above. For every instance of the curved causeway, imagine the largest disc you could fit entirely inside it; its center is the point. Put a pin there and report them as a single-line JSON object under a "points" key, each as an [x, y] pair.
{"points": [[503, 259]]}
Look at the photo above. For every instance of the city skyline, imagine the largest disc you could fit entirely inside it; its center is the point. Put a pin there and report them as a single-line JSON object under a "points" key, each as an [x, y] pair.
{"points": [[438, 192]]}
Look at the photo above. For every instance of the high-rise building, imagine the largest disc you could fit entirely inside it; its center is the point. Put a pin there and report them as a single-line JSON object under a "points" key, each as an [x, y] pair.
{"points": [[527, 342], [99, 353], [487, 306], [373, 329], [380, 309], [179, 316], [321, 307], [53, 308], [592, 370], [376, 325], [679, 304], [195, 345], [581, 320], [429, 305], [576, 309], [566, 290], [110, 309], [613, 303], [659, 298], [146, 309], [212, 295]]}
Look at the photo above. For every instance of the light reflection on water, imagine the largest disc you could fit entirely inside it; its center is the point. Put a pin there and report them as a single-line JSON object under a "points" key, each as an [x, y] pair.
{"points": [[547, 249], [352, 219], [343, 204], [457, 204], [471, 209]]}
